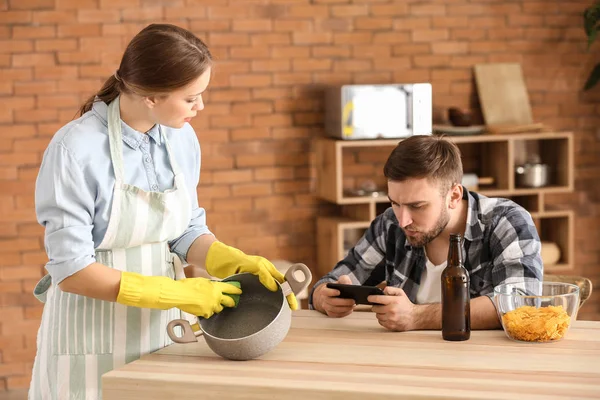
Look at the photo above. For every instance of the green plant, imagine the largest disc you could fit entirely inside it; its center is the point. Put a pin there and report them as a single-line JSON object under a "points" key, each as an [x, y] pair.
{"points": [[591, 20]]}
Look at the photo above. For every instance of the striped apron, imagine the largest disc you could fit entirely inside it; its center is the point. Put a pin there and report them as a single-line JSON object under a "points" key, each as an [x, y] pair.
{"points": [[81, 338]]}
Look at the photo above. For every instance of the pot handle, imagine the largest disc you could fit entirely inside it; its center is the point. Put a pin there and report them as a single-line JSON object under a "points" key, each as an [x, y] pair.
{"points": [[190, 332], [294, 285]]}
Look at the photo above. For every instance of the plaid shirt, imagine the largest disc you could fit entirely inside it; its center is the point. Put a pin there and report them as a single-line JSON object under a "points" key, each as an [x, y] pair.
{"points": [[501, 245]]}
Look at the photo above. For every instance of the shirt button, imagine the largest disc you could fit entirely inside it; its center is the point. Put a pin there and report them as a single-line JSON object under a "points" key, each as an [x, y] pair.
{"points": [[154, 187], [147, 159], [146, 138]]}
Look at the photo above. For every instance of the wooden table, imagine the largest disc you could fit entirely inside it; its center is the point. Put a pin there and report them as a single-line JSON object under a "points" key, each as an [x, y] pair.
{"points": [[355, 358]]}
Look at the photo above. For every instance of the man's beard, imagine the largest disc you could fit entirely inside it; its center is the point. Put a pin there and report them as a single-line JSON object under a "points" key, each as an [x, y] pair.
{"points": [[426, 237]]}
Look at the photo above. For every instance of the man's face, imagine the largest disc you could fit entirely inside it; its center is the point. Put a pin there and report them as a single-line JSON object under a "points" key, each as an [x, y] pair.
{"points": [[420, 208]]}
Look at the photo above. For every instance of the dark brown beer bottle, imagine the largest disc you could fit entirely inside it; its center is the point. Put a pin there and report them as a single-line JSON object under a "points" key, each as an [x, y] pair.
{"points": [[456, 310]]}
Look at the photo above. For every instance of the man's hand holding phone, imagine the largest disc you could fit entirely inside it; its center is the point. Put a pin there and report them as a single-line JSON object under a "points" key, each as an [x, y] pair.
{"points": [[327, 301]]}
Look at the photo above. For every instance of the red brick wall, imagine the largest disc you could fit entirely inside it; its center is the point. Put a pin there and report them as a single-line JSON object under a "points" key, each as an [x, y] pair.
{"points": [[264, 107]]}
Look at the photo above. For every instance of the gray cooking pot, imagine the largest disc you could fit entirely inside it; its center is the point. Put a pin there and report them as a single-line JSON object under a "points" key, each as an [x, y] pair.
{"points": [[257, 325]]}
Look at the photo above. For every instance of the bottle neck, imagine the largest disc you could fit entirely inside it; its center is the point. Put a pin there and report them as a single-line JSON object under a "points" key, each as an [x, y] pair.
{"points": [[455, 254]]}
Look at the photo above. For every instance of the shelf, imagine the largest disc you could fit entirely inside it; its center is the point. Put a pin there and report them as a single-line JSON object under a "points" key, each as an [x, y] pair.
{"points": [[345, 164]]}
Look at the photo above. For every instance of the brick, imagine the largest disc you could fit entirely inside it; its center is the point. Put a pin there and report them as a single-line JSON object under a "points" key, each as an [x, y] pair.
{"points": [[292, 78], [312, 37], [273, 202], [353, 38], [469, 34], [369, 23], [308, 11], [371, 51], [214, 192], [311, 65], [289, 52], [251, 189], [525, 20], [29, 174], [56, 72], [390, 10], [237, 205], [430, 35], [122, 29], [54, 17], [119, 3], [7, 173], [18, 245], [271, 120], [17, 102], [450, 22], [274, 173], [333, 25], [79, 30], [254, 133], [330, 51], [391, 37], [9, 314], [508, 33], [250, 25], [98, 16], [349, 10], [31, 4], [251, 80], [431, 61], [15, 17], [488, 46], [470, 9], [260, 39], [36, 314], [33, 32], [255, 107], [271, 65], [100, 43], [332, 78], [15, 46], [449, 47], [75, 4], [24, 88], [229, 95], [487, 22], [410, 49], [292, 25], [24, 230], [292, 187], [20, 131], [352, 65], [36, 115], [55, 45], [146, 14], [250, 52], [207, 25], [19, 382], [271, 93], [229, 39]]}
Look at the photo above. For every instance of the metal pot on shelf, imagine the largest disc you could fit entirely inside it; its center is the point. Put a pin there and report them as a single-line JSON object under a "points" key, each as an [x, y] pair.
{"points": [[532, 175]]}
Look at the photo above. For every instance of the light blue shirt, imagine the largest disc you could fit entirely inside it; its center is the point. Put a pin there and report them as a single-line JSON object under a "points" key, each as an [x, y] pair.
{"points": [[74, 188]]}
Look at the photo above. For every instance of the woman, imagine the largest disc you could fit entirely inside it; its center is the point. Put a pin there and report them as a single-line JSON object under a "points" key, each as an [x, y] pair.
{"points": [[116, 193]]}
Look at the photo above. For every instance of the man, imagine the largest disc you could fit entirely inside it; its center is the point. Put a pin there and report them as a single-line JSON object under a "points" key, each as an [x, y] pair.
{"points": [[407, 245]]}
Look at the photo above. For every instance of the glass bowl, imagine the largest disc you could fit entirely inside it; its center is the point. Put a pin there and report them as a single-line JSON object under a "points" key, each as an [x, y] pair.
{"points": [[537, 319]]}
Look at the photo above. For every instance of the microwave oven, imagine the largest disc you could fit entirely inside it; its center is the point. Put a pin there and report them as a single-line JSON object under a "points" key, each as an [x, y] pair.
{"points": [[378, 111]]}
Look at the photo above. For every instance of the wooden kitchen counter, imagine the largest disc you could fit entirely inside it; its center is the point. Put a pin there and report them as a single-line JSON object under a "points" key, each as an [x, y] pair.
{"points": [[355, 358]]}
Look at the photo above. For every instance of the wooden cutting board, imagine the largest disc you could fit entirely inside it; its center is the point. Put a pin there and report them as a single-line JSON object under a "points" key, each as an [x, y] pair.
{"points": [[503, 94]]}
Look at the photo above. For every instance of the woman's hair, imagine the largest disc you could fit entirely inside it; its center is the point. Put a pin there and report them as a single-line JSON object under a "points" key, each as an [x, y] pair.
{"points": [[159, 59], [424, 156]]}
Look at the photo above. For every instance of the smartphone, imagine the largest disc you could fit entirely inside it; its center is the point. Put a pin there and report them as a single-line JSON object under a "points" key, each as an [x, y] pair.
{"points": [[357, 292]]}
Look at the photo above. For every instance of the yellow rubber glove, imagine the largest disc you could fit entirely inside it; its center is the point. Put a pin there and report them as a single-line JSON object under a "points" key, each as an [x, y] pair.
{"points": [[223, 261], [196, 296]]}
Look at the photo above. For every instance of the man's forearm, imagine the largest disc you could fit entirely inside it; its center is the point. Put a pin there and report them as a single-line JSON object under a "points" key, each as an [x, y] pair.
{"points": [[483, 315]]}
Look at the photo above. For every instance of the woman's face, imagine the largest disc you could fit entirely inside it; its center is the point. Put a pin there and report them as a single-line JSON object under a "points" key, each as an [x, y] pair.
{"points": [[181, 105]]}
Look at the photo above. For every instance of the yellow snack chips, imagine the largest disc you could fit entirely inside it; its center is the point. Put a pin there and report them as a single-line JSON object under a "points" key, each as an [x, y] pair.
{"points": [[533, 324]]}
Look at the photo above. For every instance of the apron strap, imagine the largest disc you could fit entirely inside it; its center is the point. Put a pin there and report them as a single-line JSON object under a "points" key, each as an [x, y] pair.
{"points": [[174, 164], [115, 138]]}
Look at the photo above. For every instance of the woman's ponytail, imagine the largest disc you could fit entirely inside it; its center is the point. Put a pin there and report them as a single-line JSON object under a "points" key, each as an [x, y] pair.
{"points": [[109, 91]]}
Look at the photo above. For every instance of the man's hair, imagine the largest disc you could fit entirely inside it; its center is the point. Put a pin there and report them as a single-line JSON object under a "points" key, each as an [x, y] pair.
{"points": [[425, 156]]}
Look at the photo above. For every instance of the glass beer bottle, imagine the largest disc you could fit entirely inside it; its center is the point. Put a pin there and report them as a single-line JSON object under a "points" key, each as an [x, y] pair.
{"points": [[456, 310]]}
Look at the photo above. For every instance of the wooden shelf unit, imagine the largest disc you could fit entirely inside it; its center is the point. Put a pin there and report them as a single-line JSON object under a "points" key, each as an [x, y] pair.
{"points": [[342, 164]]}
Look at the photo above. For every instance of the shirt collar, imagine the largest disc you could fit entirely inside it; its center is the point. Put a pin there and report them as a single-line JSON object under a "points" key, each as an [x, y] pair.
{"points": [[474, 229], [131, 137]]}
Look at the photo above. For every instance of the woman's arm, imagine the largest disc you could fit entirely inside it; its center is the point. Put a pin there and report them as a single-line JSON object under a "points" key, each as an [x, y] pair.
{"points": [[96, 281]]}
